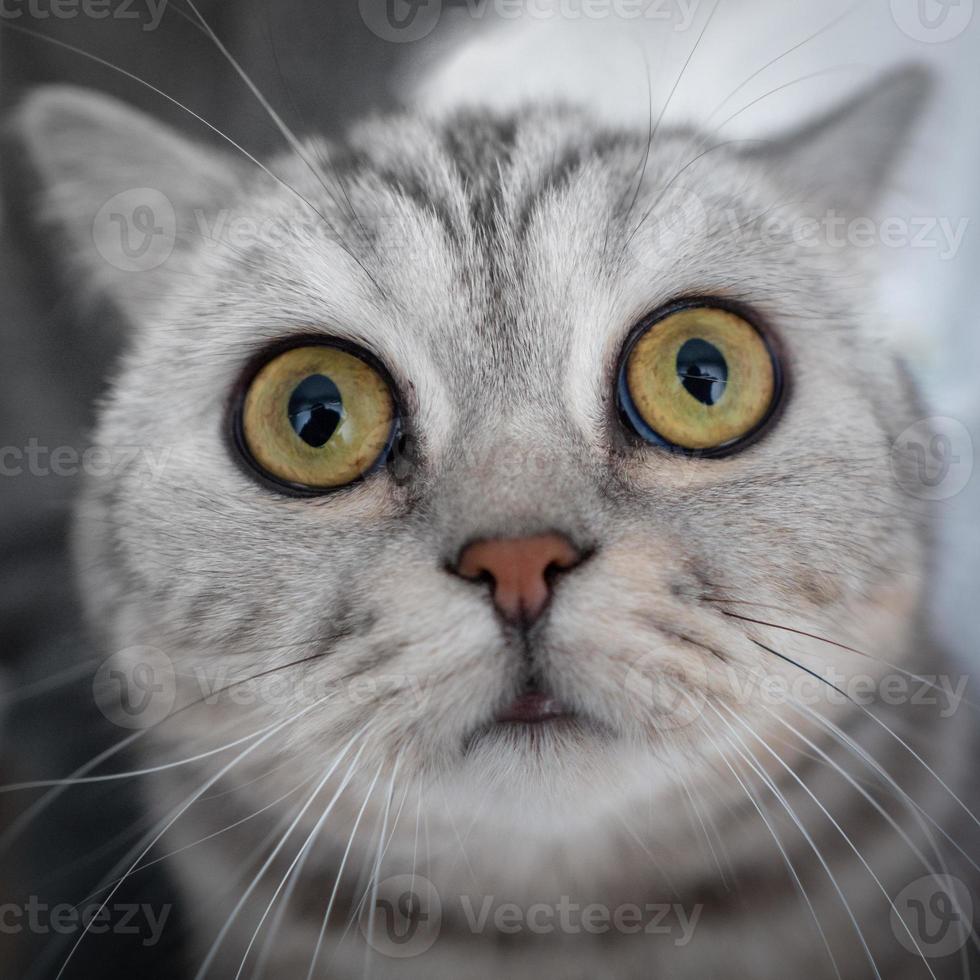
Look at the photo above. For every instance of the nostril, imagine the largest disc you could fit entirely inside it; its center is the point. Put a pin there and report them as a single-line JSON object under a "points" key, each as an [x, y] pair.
{"points": [[566, 562], [471, 566]]}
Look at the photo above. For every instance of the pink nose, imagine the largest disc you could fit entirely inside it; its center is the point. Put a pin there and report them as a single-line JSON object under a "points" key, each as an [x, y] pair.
{"points": [[520, 570]]}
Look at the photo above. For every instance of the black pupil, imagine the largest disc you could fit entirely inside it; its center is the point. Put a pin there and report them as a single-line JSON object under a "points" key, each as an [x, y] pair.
{"points": [[703, 370], [315, 409]]}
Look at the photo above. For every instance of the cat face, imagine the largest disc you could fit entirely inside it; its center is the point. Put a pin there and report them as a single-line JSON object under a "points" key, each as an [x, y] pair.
{"points": [[494, 273]]}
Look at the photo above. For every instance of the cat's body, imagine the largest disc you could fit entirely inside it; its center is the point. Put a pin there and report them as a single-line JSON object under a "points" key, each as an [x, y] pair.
{"points": [[496, 265]]}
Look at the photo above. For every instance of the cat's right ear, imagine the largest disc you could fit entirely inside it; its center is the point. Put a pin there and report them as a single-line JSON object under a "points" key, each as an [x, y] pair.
{"points": [[122, 194], [845, 158]]}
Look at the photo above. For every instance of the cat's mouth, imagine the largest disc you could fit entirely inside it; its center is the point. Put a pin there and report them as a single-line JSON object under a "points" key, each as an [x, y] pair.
{"points": [[535, 718], [535, 705], [532, 708]]}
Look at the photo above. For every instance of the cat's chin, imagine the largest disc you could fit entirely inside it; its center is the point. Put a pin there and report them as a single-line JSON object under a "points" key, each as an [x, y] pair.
{"points": [[531, 760], [515, 734]]}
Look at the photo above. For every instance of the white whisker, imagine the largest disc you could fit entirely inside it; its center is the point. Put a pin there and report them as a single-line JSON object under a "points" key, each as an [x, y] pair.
{"points": [[753, 762], [167, 824], [304, 851], [213, 951], [833, 820], [783, 853], [340, 873]]}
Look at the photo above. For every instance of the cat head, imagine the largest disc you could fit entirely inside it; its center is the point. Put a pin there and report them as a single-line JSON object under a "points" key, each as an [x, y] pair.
{"points": [[501, 347]]}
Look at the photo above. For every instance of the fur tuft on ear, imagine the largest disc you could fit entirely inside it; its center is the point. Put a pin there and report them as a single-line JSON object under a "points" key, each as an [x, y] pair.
{"points": [[844, 159], [119, 189]]}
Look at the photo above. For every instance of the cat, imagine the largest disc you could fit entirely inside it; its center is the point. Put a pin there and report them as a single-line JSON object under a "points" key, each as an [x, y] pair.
{"points": [[539, 680]]}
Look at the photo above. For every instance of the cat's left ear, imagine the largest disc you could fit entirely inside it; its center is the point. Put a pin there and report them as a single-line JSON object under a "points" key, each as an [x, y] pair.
{"points": [[844, 159], [122, 193]]}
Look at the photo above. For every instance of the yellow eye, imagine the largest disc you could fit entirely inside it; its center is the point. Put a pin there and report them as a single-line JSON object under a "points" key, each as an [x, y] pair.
{"points": [[317, 417], [698, 379]]}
